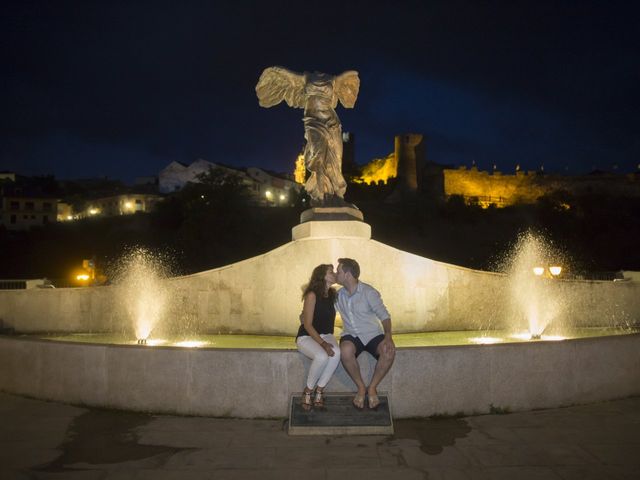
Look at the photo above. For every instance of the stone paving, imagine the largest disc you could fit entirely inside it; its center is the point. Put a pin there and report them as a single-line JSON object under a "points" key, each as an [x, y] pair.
{"points": [[44, 440]]}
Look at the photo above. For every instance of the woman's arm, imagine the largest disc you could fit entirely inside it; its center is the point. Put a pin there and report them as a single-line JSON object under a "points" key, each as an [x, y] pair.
{"points": [[307, 319]]}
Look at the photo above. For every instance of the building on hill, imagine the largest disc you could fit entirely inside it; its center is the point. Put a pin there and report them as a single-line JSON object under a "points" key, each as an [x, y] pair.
{"points": [[5, 175], [265, 188], [22, 208], [122, 204]]}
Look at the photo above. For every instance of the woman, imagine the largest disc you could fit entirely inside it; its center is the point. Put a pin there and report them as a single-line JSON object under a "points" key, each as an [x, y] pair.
{"points": [[315, 337]]}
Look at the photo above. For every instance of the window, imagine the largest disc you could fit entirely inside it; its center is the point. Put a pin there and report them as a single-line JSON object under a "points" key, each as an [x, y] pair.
{"points": [[15, 205], [46, 206], [45, 219], [29, 205], [13, 220]]}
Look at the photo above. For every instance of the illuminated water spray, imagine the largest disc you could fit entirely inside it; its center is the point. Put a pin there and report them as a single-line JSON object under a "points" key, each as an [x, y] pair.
{"points": [[536, 296], [143, 291]]}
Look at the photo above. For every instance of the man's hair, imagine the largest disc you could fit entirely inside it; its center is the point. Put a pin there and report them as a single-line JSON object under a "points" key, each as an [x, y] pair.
{"points": [[351, 266]]}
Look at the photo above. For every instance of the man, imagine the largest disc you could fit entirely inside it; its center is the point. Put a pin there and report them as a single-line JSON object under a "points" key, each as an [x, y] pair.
{"points": [[367, 327]]}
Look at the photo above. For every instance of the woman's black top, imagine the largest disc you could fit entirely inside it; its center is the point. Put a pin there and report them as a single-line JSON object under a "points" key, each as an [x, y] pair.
{"points": [[324, 317]]}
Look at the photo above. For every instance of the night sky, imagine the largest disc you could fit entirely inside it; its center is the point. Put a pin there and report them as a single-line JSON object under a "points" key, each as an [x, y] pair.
{"points": [[122, 88]]}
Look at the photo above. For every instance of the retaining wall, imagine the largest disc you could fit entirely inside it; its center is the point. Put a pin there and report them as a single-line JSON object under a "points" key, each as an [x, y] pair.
{"points": [[257, 383]]}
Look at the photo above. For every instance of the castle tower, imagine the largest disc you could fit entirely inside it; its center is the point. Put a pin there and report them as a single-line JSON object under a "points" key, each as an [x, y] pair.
{"points": [[409, 150], [408, 155]]}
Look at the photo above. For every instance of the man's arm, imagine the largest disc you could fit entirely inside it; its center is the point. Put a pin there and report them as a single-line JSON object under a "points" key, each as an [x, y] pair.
{"points": [[386, 325], [377, 305], [387, 344]]}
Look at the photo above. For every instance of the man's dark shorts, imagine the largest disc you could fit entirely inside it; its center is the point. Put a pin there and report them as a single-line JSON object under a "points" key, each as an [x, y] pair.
{"points": [[370, 347]]}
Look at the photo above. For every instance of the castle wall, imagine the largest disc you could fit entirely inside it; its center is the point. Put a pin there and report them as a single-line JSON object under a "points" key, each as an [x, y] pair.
{"points": [[526, 187]]}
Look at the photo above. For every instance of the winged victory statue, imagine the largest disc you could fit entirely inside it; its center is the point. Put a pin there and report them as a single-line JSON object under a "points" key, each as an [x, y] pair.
{"points": [[318, 93]]}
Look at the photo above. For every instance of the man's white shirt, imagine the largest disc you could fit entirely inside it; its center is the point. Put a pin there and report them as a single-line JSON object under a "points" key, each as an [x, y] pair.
{"points": [[362, 312]]}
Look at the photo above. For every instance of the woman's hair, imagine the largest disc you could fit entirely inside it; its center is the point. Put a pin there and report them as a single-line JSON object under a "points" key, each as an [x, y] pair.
{"points": [[316, 282]]}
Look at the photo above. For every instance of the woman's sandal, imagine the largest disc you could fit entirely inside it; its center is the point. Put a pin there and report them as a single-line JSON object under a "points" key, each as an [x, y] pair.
{"points": [[318, 399], [306, 400], [358, 401]]}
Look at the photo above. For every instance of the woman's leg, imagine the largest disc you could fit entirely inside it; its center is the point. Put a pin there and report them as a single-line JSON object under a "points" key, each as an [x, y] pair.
{"points": [[332, 362], [319, 358]]}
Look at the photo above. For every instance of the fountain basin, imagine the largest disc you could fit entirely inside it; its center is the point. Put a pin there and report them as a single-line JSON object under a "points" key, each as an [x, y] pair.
{"points": [[282, 342], [257, 382]]}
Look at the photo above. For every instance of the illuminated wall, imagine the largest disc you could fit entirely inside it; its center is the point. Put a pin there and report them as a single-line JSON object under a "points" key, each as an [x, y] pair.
{"points": [[379, 169], [494, 188], [300, 172]]}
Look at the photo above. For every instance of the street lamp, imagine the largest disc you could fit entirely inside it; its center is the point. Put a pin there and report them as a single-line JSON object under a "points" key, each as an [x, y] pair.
{"points": [[555, 270], [538, 271]]}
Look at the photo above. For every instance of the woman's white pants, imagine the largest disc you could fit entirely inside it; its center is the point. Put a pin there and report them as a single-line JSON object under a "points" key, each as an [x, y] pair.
{"points": [[322, 365]]}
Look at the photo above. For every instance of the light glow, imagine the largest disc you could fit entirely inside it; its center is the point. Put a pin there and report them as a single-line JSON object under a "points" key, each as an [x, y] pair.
{"points": [[522, 336], [82, 277], [538, 271], [189, 344], [93, 211], [553, 338], [555, 270], [485, 340]]}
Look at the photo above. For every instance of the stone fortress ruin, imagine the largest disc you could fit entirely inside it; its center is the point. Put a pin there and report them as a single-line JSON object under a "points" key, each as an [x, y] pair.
{"points": [[407, 164]]}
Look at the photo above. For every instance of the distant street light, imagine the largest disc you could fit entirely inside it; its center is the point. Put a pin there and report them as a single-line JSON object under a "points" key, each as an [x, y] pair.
{"points": [[555, 270]]}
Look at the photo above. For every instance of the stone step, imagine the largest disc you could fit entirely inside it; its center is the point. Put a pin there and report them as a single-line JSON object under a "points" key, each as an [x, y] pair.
{"points": [[339, 417]]}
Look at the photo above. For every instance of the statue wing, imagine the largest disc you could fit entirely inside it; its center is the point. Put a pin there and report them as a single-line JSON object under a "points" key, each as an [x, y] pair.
{"points": [[346, 88], [277, 84]]}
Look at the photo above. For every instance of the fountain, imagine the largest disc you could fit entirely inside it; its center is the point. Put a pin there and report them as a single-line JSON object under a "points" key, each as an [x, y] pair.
{"points": [[535, 300], [142, 290], [244, 362], [459, 331]]}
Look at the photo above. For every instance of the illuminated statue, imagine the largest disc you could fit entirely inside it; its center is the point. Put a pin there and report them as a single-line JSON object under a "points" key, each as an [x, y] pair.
{"points": [[318, 93]]}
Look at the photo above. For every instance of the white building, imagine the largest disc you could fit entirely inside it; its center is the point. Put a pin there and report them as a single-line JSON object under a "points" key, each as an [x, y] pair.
{"points": [[266, 189]]}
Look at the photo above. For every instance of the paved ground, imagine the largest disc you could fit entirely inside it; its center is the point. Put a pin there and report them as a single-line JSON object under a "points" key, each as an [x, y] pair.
{"points": [[54, 441]]}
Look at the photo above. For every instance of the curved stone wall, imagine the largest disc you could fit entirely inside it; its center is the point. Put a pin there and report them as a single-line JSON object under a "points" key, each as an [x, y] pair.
{"points": [[262, 295], [258, 383]]}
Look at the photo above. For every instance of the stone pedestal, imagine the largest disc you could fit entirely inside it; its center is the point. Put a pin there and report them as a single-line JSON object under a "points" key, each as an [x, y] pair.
{"points": [[331, 213], [331, 222], [331, 229]]}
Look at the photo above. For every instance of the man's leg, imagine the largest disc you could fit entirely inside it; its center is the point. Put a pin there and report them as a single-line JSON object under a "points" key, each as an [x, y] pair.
{"points": [[386, 356], [350, 364]]}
